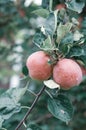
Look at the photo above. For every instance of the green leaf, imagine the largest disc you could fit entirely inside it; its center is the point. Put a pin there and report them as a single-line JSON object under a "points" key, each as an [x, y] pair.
{"points": [[43, 42], [7, 115], [61, 108], [68, 39], [25, 70], [48, 45], [6, 102], [83, 59], [38, 39], [16, 93], [83, 29], [33, 127], [41, 12], [66, 43], [62, 30], [51, 23], [9, 102], [76, 51], [75, 6]]}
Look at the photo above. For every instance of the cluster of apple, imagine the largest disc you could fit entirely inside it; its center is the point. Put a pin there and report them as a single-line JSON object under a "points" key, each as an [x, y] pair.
{"points": [[65, 72]]}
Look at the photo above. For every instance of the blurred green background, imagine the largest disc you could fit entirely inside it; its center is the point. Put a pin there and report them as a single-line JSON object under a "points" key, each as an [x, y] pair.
{"points": [[17, 27]]}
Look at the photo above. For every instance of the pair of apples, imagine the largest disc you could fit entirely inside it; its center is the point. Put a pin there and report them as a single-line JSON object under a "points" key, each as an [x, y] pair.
{"points": [[66, 72]]}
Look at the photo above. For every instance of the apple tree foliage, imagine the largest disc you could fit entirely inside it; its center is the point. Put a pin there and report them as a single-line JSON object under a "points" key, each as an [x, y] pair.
{"points": [[26, 29]]}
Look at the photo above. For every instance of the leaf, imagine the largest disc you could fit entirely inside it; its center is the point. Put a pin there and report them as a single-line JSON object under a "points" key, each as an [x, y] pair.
{"points": [[25, 70], [76, 51], [38, 39], [6, 102], [68, 39], [51, 84], [83, 59], [66, 43], [77, 36], [42, 37], [33, 127], [16, 93], [41, 12], [83, 29], [7, 115], [47, 44], [9, 102], [43, 42], [75, 6], [62, 30], [51, 23], [61, 108]]}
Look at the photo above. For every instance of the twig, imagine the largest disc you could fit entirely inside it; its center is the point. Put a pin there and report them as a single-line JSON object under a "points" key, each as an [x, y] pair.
{"points": [[31, 108]]}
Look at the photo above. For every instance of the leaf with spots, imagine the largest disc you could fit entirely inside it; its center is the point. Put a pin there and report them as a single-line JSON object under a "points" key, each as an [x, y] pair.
{"points": [[60, 107]]}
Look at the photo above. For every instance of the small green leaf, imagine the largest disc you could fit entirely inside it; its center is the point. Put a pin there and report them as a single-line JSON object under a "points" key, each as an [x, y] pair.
{"points": [[41, 12], [47, 44], [43, 42], [51, 23], [61, 108], [77, 36], [62, 30], [75, 6], [66, 43], [39, 38], [68, 39], [76, 51]]}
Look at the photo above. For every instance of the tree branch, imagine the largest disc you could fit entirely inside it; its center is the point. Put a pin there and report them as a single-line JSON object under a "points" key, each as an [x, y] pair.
{"points": [[31, 108]]}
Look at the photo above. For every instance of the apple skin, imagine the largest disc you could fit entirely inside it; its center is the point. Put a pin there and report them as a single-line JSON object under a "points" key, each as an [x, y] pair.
{"points": [[67, 73], [38, 66]]}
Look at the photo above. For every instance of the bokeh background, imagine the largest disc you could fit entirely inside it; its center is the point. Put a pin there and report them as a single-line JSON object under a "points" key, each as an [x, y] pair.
{"points": [[18, 25]]}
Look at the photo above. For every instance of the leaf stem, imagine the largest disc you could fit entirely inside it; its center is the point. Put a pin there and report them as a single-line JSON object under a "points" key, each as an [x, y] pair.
{"points": [[50, 5], [26, 107], [48, 93], [30, 91], [31, 108]]}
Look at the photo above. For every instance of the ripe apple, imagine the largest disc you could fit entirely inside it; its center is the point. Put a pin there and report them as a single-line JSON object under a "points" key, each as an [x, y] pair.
{"points": [[67, 73], [38, 65]]}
